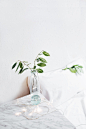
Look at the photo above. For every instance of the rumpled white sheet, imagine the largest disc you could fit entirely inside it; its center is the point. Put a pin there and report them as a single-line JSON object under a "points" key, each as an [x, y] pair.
{"points": [[75, 110]]}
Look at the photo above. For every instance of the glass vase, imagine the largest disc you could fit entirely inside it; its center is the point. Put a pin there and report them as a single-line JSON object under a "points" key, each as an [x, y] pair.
{"points": [[34, 88]]}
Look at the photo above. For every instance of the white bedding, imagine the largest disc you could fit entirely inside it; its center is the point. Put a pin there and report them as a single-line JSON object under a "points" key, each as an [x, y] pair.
{"points": [[67, 91], [75, 110]]}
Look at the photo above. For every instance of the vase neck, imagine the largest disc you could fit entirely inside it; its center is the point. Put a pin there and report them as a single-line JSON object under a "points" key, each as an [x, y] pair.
{"points": [[34, 73]]}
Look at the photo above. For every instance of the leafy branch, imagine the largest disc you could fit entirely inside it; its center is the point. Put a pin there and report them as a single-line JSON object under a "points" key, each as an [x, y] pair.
{"points": [[21, 66], [75, 69]]}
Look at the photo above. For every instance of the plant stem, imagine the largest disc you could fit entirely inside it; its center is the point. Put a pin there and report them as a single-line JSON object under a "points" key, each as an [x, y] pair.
{"points": [[25, 64]]}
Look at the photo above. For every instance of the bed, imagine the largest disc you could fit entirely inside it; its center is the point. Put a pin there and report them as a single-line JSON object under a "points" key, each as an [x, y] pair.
{"points": [[67, 92]]}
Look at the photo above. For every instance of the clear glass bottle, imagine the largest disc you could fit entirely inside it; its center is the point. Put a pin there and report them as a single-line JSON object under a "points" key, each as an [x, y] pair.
{"points": [[34, 88]]}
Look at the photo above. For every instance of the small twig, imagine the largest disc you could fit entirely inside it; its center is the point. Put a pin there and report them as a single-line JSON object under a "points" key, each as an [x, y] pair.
{"points": [[25, 64]]}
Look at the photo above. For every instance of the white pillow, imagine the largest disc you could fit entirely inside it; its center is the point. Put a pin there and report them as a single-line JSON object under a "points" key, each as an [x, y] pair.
{"points": [[60, 85]]}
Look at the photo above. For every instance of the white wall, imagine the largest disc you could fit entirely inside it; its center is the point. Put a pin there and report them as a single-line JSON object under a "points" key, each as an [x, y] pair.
{"points": [[29, 26]]}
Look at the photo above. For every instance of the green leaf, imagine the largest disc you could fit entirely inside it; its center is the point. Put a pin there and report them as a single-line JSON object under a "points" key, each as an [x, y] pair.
{"points": [[42, 60], [21, 65], [25, 61], [34, 67], [24, 70], [28, 64], [73, 70], [80, 66], [14, 65], [37, 59], [65, 69], [17, 67], [46, 53], [39, 70], [41, 64], [20, 71], [75, 65], [40, 54]]}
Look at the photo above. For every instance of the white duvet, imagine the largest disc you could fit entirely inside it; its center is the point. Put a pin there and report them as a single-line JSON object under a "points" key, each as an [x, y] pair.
{"points": [[75, 110]]}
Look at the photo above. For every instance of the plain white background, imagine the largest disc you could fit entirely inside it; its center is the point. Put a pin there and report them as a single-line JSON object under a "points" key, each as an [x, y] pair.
{"points": [[29, 26]]}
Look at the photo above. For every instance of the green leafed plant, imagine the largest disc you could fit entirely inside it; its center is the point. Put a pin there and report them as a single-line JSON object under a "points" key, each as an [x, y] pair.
{"points": [[75, 69], [21, 66]]}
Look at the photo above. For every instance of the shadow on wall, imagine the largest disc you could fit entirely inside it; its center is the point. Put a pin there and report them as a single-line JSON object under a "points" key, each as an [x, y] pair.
{"points": [[24, 89]]}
